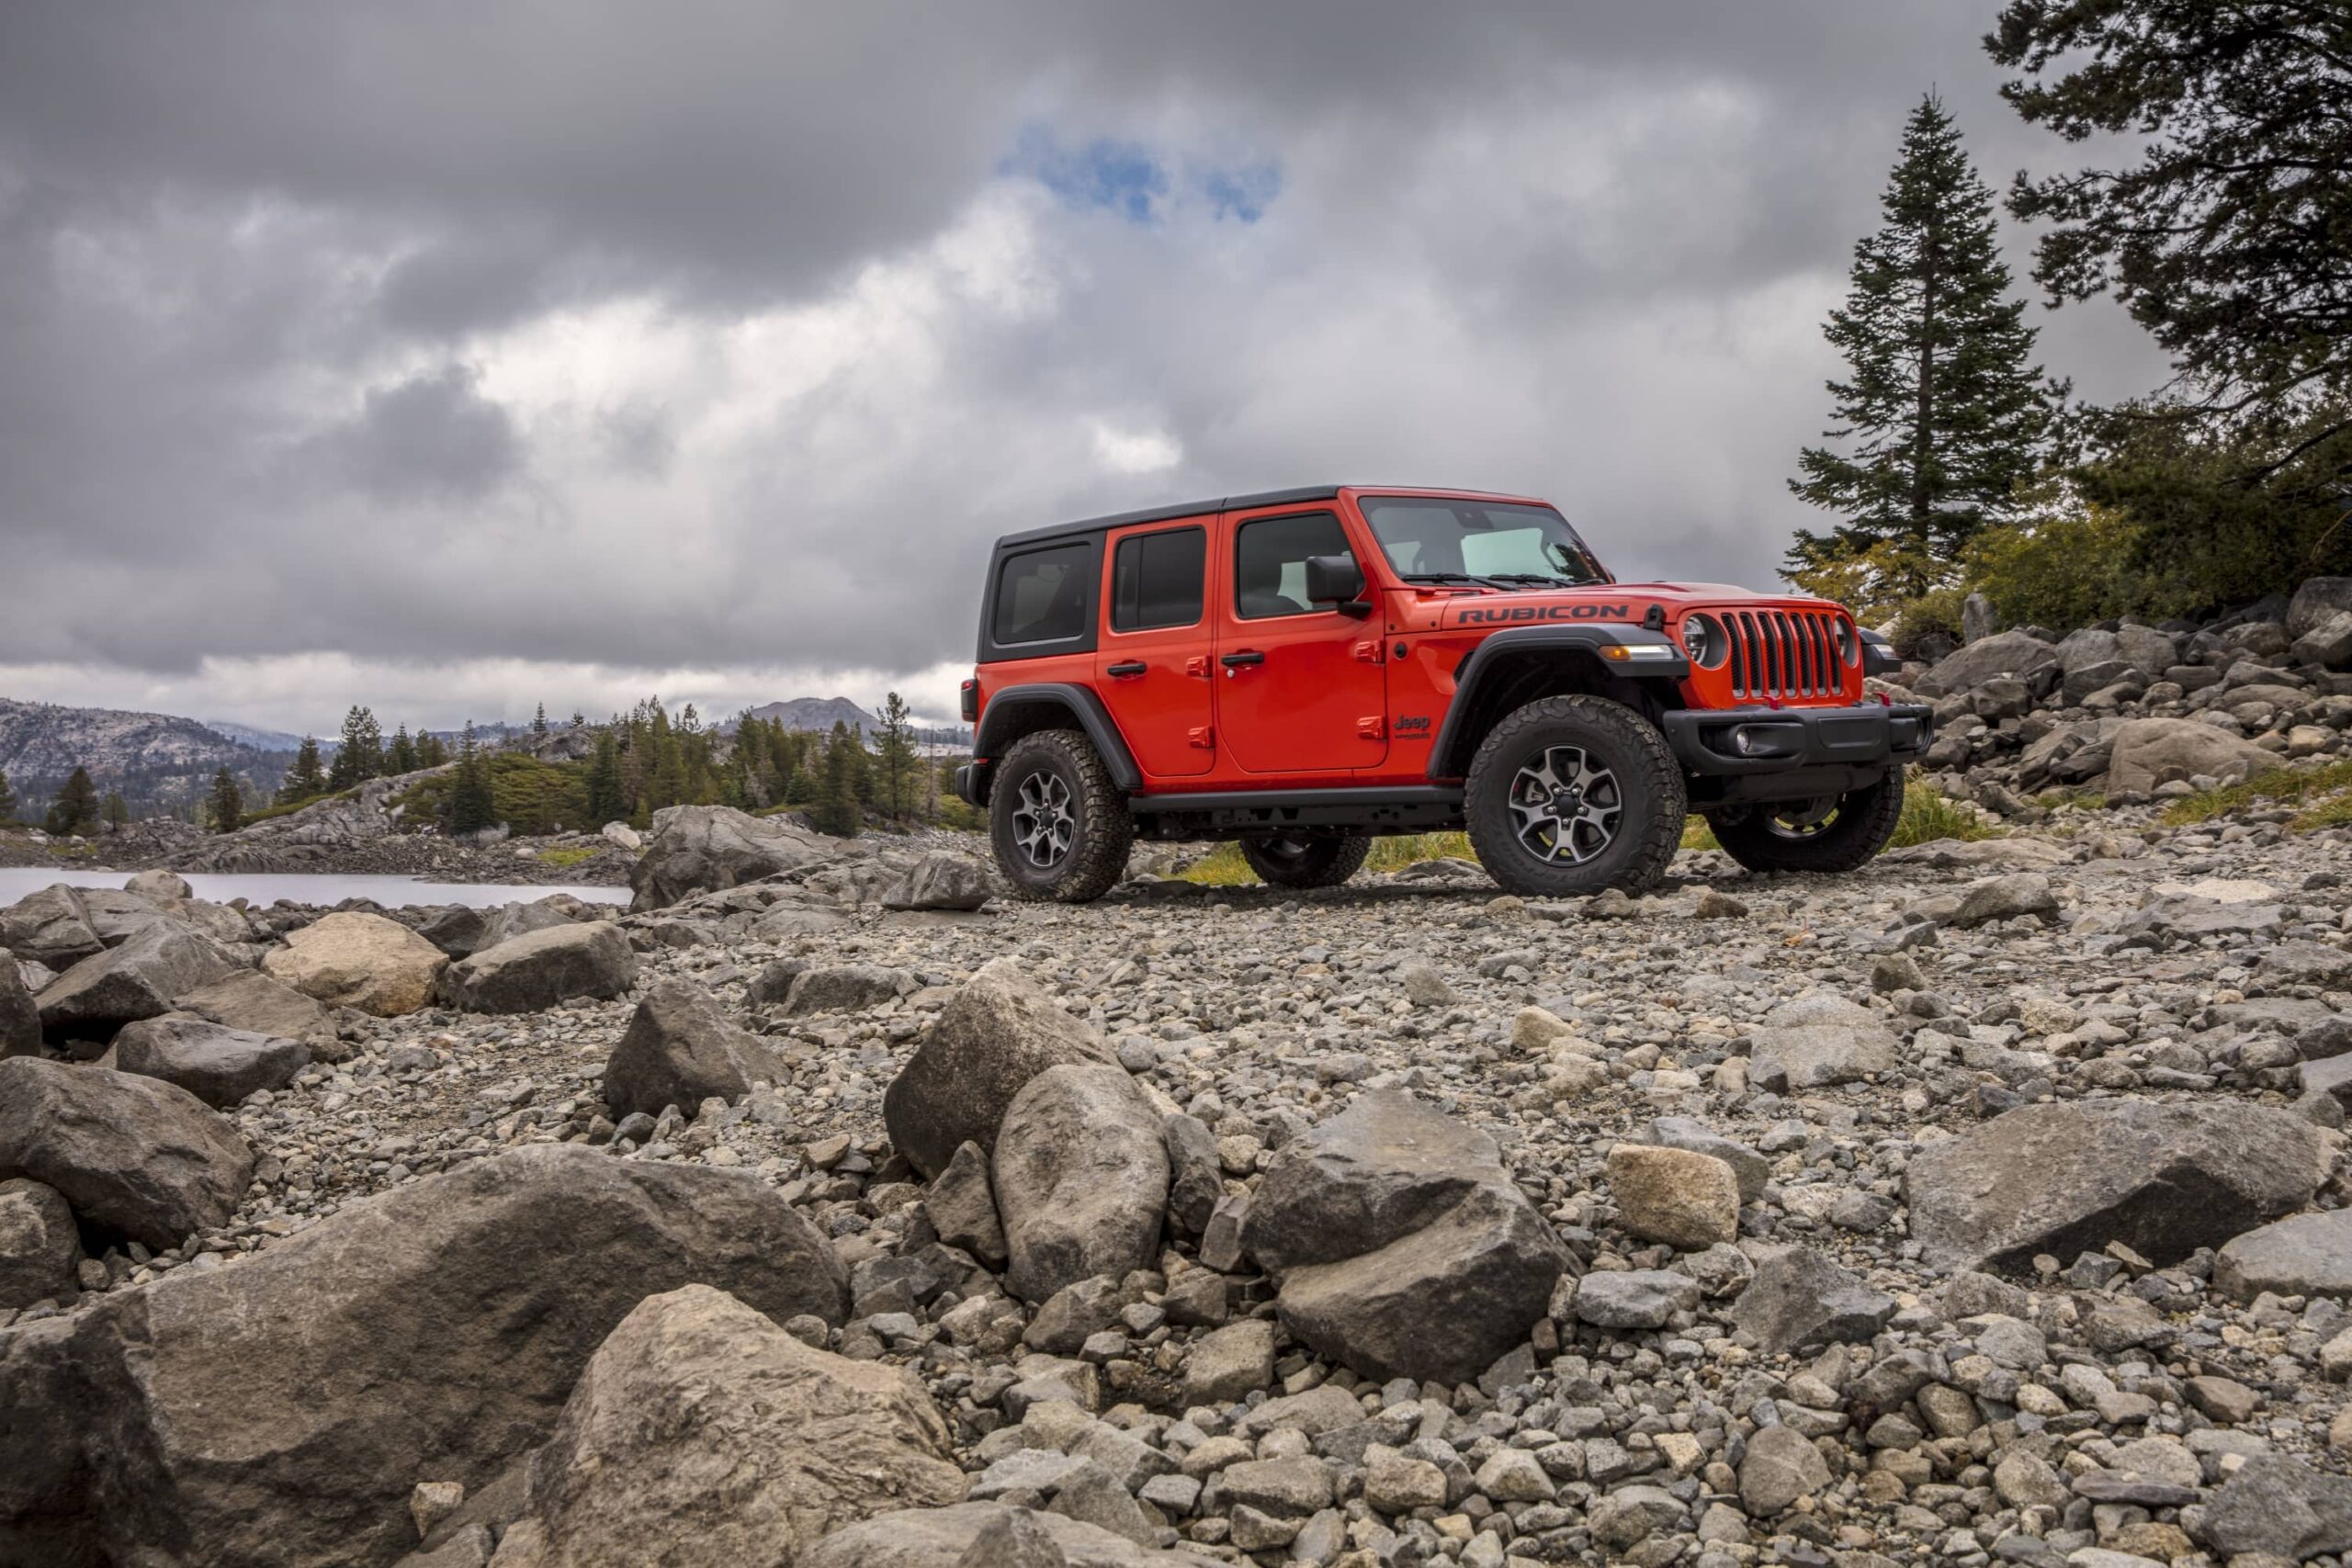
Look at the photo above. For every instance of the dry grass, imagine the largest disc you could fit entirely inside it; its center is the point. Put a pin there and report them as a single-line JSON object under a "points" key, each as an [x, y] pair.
{"points": [[1224, 867], [2326, 786]]}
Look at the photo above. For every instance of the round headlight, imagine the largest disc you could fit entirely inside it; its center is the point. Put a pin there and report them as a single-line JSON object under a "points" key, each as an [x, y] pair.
{"points": [[1849, 642], [1704, 640]]}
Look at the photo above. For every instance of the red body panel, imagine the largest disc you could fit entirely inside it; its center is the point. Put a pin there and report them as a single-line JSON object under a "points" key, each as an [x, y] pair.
{"points": [[1356, 699]]}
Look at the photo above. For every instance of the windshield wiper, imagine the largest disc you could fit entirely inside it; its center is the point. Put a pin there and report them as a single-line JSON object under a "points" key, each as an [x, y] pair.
{"points": [[1535, 577], [1441, 577]]}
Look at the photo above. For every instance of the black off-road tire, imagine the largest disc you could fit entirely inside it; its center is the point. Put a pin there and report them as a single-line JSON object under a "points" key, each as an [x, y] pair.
{"points": [[1064, 768], [1308, 860], [1650, 794], [1761, 839]]}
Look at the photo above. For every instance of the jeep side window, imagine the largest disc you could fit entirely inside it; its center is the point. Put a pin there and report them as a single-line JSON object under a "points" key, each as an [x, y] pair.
{"points": [[1270, 562], [1041, 595], [1156, 579]]}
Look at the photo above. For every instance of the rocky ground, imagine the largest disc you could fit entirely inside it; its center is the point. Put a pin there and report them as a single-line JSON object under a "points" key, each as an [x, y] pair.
{"points": [[1984, 1206]]}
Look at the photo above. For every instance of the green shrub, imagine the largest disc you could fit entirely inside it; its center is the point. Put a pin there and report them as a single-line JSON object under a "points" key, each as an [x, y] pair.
{"points": [[532, 796], [1929, 814]]}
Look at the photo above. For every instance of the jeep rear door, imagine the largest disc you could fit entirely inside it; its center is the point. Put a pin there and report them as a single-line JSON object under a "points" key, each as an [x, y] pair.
{"points": [[1151, 664], [1301, 689]]}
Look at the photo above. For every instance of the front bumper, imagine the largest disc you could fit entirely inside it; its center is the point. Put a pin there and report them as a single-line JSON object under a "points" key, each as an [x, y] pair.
{"points": [[1708, 741]]}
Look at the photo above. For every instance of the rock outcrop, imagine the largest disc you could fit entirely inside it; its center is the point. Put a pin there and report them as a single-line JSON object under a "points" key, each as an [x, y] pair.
{"points": [[542, 969], [702, 849], [361, 961]]}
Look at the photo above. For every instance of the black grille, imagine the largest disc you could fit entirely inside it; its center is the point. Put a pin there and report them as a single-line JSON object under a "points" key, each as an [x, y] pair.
{"points": [[1783, 653]]}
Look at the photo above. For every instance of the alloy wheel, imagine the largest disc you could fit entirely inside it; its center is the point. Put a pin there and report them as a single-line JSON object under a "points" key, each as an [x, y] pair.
{"points": [[1565, 805], [1044, 822]]}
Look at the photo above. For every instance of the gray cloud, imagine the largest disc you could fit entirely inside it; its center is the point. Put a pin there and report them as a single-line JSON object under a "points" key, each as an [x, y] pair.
{"points": [[735, 332]]}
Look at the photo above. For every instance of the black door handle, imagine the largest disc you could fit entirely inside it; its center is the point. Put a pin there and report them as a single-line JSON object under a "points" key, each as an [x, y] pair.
{"points": [[1250, 657], [1134, 667]]}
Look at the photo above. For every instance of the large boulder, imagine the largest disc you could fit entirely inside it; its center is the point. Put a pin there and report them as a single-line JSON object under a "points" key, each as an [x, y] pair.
{"points": [[255, 1002], [2151, 752], [701, 849], [2070, 1176], [131, 1155], [1802, 1299], [51, 926], [361, 961], [542, 969], [941, 880], [1401, 1244], [221, 1067], [140, 979], [20, 1014], [280, 1412], [1818, 1041], [2147, 650], [2014, 653], [2309, 1255], [995, 1034], [2315, 602], [980, 1535], [1080, 1175], [846, 988], [680, 1049], [2275, 1508], [38, 1242], [702, 1426]]}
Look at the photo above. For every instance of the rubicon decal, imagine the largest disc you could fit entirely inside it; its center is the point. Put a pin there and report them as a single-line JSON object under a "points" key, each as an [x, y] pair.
{"points": [[1503, 613]]}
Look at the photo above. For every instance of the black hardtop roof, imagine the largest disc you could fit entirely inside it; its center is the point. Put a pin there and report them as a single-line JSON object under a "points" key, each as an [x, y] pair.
{"points": [[1202, 508]]}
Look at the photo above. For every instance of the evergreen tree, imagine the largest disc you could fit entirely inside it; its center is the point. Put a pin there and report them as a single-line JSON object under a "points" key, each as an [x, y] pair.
{"points": [[836, 811], [472, 804], [579, 720], [116, 811], [895, 762], [75, 809], [360, 757], [225, 812], [608, 800], [539, 722], [305, 778], [1946, 413], [399, 757], [7, 800], [432, 751]]}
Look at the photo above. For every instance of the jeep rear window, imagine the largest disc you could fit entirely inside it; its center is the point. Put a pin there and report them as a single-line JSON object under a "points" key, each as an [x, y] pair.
{"points": [[1041, 595], [1426, 538], [1156, 579]]}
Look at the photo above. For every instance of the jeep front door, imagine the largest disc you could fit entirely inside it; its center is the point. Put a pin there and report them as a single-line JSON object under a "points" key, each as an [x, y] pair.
{"points": [[1301, 689]]}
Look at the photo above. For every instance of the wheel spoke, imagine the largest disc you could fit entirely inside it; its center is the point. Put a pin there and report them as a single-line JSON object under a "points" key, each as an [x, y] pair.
{"points": [[1565, 805]]}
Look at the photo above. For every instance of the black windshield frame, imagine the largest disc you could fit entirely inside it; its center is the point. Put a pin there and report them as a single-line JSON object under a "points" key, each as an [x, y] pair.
{"points": [[1473, 516]]}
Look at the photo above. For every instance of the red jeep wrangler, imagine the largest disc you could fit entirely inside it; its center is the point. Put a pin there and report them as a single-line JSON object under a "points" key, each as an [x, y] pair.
{"points": [[1305, 669]]}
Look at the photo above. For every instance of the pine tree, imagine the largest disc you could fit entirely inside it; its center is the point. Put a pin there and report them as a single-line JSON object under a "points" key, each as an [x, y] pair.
{"points": [[7, 800], [473, 805], [895, 762], [836, 811], [305, 778], [224, 812], [1946, 413], [360, 757], [432, 751], [608, 800], [399, 757], [75, 809], [116, 811], [539, 722]]}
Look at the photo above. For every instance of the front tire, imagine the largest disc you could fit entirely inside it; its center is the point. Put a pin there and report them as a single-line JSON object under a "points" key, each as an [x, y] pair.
{"points": [[1568, 795], [1839, 833], [1307, 860], [1060, 826]]}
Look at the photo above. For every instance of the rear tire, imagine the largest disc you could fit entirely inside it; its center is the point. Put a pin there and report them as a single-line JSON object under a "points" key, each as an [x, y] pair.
{"points": [[1060, 826], [1307, 860], [1839, 834], [1568, 795]]}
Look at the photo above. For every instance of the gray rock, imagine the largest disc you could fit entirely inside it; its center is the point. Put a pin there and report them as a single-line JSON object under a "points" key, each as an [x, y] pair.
{"points": [[2071, 1177], [1751, 1169], [508, 922], [20, 1014], [455, 928], [1635, 1298], [2316, 602], [940, 1538], [941, 880], [38, 1242], [51, 926], [2147, 650], [703, 849], [2281, 1506], [353, 959], [847, 988], [699, 1409], [387, 1302], [1195, 1179], [1976, 621], [140, 979], [1817, 1042], [1781, 1465], [2309, 1255], [962, 1206], [1381, 1169], [1081, 1175], [2019, 894], [2150, 752], [1227, 1363], [2328, 644], [999, 1031], [219, 1066], [133, 1154], [254, 1002], [680, 1049], [2294, 963], [543, 969], [2014, 653], [1800, 1299]]}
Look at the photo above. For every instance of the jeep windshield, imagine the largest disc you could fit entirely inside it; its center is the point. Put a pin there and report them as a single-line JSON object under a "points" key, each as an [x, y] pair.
{"points": [[1481, 544]]}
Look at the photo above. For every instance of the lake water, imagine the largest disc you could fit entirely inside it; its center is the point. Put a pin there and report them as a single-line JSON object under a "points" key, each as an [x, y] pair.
{"points": [[307, 888]]}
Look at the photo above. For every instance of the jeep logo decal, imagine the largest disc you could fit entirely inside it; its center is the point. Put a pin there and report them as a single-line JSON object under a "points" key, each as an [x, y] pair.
{"points": [[1546, 613]]}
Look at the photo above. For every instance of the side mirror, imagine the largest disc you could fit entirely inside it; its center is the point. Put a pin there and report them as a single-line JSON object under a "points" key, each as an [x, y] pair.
{"points": [[1335, 581]]}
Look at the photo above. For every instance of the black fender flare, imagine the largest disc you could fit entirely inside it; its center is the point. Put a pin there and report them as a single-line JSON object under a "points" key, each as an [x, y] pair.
{"points": [[1003, 721], [1663, 662]]}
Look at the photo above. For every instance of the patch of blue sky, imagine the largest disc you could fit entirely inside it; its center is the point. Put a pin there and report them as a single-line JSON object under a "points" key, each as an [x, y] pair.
{"points": [[1130, 181], [1242, 193]]}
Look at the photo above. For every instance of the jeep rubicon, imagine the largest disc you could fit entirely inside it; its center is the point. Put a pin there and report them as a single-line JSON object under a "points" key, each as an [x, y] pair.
{"points": [[1305, 670]]}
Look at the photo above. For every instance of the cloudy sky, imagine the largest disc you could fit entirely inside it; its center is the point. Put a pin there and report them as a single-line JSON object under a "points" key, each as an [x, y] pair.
{"points": [[454, 358]]}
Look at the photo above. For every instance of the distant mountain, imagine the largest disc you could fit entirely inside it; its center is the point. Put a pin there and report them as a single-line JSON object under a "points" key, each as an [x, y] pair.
{"points": [[815, 713], [259, 740], [158, 761]]}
